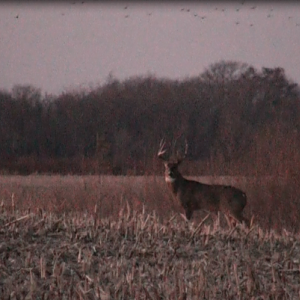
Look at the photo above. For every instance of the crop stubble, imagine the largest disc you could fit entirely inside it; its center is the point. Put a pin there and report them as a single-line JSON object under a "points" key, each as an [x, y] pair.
{"points": [[52, 256], [123, 238]]}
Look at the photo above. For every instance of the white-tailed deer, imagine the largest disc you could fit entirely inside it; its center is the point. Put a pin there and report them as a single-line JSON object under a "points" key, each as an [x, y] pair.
{"points": [[194, 195]]}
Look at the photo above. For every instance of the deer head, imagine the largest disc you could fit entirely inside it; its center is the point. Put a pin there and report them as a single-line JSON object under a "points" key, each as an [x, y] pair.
{"points": [[171, 166]]}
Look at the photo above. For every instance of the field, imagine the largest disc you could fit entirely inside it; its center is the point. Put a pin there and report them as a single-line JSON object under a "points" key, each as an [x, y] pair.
{"points": [[68, 237], [273, 201]]}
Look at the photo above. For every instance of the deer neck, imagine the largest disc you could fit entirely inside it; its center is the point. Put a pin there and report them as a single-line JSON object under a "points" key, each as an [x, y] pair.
{"points": [[174, 182]]}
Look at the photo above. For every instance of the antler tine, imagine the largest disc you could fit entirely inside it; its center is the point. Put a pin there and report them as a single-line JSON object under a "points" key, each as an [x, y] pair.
{"points": [[162, 144], [181, 158], [162, 151], [186, 148]]}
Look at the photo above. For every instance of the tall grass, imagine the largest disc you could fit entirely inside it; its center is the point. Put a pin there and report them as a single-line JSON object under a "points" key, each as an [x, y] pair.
{"points": [[272, 200]]}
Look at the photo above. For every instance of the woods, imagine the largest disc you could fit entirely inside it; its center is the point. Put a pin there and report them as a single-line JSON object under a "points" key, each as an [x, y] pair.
{"points": [[236, 119]]}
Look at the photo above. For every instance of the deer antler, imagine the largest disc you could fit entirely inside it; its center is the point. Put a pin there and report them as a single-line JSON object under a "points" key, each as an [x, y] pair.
{"points": [[186, 148], [181, 158], [162, 151]]}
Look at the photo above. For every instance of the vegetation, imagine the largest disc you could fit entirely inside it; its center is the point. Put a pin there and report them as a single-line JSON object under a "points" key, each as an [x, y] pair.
{"points": [[80, 256], [233, 116], [273, 201], [122, 237]]}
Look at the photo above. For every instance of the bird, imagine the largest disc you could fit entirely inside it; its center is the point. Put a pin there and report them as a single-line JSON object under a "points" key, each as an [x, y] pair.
{"points": [[17, 16], [253, 7]]}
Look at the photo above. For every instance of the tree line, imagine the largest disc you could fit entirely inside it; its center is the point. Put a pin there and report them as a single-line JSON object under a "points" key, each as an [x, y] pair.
{"points": [[232, 116]]}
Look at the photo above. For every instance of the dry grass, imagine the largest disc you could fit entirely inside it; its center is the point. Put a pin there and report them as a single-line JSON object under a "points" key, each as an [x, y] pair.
{"points": [[81, 256], [273, 201], [82, 193]]}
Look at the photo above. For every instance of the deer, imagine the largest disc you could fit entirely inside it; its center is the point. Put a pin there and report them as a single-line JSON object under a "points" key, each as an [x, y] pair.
{"points": [[194, 195]]}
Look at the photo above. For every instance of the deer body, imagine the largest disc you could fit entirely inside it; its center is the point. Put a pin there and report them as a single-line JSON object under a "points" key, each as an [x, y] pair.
{"points": [[194, 195]]}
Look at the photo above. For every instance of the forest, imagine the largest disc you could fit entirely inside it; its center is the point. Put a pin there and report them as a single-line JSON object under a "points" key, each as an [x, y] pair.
{"points": [[236, 119]]}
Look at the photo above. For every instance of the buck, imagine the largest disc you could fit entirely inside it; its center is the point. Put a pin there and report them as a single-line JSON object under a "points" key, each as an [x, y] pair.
{"points": [[194, 195]]}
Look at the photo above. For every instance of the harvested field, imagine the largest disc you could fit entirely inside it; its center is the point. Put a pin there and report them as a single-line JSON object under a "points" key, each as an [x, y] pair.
{"points": [[72, 255]]}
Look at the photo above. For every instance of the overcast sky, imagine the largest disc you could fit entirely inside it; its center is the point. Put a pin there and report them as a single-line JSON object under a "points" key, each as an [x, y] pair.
{"points": [[60, 46]]}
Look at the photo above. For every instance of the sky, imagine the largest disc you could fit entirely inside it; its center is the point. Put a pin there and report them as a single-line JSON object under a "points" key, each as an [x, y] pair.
{"points": [[59, 46]]}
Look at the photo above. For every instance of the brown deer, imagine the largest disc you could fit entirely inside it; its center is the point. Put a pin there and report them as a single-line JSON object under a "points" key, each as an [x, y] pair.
{"points": [[194, 195]]}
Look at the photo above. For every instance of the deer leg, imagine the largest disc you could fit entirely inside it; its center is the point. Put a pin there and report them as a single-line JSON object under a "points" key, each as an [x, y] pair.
{"points": [[246, 222], [239, 218], [233, 222], [188, 213]]}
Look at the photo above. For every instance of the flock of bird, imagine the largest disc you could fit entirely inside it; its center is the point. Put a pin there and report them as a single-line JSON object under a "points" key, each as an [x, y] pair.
{"points": [[203, 17], [223, 10], [270, 13]]}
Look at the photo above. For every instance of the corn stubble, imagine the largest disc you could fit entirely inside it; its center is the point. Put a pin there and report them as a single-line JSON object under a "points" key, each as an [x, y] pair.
{"points": [[47, 255]]}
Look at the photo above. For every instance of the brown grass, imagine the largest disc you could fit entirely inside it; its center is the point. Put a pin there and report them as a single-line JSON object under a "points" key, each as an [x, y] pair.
{"points": [[273, 201], [74, 255]]}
